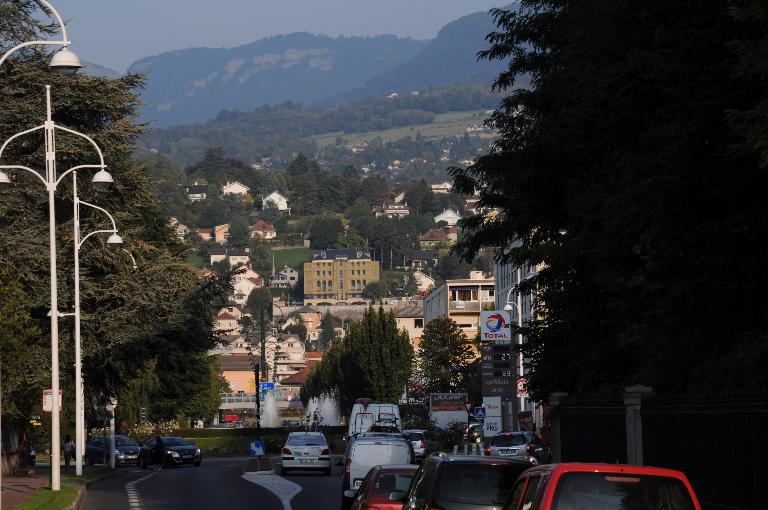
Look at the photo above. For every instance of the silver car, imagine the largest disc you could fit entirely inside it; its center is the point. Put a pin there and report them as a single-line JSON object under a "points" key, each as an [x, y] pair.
{"points": [[423, 444], [306, 451], [523, 445]]}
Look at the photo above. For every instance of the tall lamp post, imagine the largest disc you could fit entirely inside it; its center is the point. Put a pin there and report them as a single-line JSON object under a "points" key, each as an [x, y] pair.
{"points": [[114, 240], [51, 180], [518, 307]]}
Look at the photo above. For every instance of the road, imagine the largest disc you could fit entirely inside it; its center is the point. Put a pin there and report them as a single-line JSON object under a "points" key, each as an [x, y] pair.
{"points": [[218, 483]]}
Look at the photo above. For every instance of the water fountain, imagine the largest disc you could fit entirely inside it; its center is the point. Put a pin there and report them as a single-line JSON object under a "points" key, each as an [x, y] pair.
{"points": [[322, 411], [269, 416]]}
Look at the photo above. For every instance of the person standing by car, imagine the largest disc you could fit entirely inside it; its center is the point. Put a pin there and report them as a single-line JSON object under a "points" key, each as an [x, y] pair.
{"points": [[69, 450], [159, 452]]}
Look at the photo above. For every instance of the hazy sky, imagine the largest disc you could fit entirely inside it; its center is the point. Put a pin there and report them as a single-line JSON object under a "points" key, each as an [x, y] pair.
{"points": [[114, 33]]}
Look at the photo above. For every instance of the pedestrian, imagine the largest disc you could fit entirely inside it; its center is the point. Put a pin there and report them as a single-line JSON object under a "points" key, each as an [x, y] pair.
{"points": [[159, 452], [69, 450]]}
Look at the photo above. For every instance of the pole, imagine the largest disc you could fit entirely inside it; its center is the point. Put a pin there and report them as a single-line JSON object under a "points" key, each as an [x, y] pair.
{"points": [[258, 403], [520, 367], [259, 368], [79, 414], [112, 438], [50, 170]]}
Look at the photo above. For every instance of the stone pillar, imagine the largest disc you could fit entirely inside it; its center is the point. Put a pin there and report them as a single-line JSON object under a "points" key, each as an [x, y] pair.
{"points": [[554, 402], [633, 401]]}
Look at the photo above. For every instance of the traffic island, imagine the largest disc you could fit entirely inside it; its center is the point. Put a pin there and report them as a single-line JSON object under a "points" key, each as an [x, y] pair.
{"points": [[259, 466]]}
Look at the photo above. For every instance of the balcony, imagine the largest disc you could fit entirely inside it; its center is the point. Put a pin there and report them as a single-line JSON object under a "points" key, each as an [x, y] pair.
{"points": [[465, 306]]}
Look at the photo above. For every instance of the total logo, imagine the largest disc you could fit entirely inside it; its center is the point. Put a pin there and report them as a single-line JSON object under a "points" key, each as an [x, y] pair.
{"points": [[495, 323]]}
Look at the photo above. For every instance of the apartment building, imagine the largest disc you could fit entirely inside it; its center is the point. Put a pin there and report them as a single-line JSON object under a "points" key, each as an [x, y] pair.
{"points": [[338, 277], [461, 300]]}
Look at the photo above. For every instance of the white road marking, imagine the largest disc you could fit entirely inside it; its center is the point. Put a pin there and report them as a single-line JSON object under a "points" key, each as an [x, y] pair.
{"points": [[134, 499], [285, 490]]}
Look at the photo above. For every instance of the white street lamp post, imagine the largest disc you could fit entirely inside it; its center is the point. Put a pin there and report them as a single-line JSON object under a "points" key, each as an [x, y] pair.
{"points": [[51, 182], [519, 309], [63, 61]]}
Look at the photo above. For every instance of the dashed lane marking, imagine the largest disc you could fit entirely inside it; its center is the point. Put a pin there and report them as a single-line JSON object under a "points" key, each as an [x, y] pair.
{"points": [[134, 499]]}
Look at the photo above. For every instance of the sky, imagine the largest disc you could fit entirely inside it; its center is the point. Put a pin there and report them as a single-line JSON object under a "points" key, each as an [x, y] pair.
{"points": [[115, 33]]}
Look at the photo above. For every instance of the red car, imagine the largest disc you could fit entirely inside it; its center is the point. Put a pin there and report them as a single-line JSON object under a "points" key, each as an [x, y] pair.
{"points": [[601, 487], [379, 483]]}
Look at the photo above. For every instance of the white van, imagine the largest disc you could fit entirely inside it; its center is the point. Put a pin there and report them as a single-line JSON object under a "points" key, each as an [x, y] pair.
{"points": [[367, 415], [364, 452]]}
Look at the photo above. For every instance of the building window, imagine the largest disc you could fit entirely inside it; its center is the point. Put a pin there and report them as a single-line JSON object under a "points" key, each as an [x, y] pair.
{"points": [[318, 285], [418, 323]]}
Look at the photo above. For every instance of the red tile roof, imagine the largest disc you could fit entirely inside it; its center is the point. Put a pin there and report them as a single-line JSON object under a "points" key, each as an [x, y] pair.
{"points": [[226, 316], [262, 226], [313, 355], [296, 379]]}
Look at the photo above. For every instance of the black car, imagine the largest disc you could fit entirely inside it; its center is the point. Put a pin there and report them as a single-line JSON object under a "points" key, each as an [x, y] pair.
{"points": [[462, 482], [178, 451], [126, 450]]}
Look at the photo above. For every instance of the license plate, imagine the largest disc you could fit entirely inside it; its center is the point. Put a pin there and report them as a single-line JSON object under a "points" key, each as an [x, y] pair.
{"points": [[186, 456], [307, 461]]}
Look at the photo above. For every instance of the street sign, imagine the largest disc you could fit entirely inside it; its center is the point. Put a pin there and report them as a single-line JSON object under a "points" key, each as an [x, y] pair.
{"points": [[495, 327], [36, 423], [266, 386], [48, 400], [468, 406], [492, 406], [491, 426], [497, 370], [522, 387], [257, 449], [480, 413]]}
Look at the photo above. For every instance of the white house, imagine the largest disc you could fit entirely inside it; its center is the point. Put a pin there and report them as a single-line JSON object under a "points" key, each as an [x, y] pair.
{"points": [[243, 285], [443, 187], [275, 199], [182, 231], [196, 191], [263, 229], [449, 216], [234, 188], [290, 274], [424, 282]]}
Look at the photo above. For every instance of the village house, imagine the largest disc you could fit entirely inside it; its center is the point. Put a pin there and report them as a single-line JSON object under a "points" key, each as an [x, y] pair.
{"points": [[391, 210], [424, 282], [235, 188], [438, 238], [286, 277], [182, 231], [411, 319], [263, 229], [275, 199], [424, 258], [449, 216], [443, 187], [196, 191]]}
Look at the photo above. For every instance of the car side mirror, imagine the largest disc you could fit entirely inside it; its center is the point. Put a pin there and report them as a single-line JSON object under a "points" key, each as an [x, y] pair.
{"points": [[349, 494], [397, 496]]}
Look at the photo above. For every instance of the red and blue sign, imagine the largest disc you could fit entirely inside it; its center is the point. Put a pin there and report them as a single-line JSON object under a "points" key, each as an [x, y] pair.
{"points": [[494, 327]]}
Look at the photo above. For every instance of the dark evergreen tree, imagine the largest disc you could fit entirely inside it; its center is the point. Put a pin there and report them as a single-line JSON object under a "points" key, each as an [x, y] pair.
{"points": [[445, 355]]}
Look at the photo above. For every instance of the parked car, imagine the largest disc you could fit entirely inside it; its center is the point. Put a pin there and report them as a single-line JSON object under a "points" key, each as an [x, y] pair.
{"points": [[474, 432], [306, 451], [368, 415], [178, 451], [462, 482], [603, 487], [520, 444], [365, 452], [423, 443], [379, 483], [292, 424], [126, 450]]}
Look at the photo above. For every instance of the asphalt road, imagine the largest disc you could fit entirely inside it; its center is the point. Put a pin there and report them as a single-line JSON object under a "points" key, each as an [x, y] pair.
{"points": [[218, 483]]}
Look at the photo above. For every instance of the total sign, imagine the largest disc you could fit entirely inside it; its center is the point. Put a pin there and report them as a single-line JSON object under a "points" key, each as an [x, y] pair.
{"points": [[495, 327]]}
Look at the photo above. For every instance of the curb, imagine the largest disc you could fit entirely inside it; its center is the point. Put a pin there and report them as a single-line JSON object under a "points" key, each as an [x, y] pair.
{"points": [[90, 483]]}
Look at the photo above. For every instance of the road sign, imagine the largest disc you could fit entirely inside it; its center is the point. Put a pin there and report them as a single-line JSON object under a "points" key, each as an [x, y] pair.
{"points": [[495, 327], [36, 423], [522, 387], [497, 370], [266, 386], [480, 413], [491, 426], [257, 449], [48, 400], [35, 417], [492, 406], [468, 406]]}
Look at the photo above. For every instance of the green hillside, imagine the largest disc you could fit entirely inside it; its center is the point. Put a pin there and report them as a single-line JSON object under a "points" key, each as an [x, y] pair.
{"points": [[445, 124]]}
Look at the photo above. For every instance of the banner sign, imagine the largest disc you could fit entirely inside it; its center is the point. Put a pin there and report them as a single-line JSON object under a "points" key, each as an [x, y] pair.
{"points": [[48, 400], [447, 401], [495, 327]]}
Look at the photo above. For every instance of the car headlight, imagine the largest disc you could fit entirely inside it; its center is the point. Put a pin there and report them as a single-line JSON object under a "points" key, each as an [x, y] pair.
{"points": [[172, 453], [197, 452], [118, 454]]}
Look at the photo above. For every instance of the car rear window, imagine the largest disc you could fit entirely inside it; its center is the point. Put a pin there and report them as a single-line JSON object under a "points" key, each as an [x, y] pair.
{"points": [[608, 491], [509, 440], [307, 440], [481, 483], [414, 436], [372, 454], [388, 482]]}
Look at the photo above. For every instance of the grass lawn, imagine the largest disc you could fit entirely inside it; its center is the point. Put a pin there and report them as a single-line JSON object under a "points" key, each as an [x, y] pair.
{"points": [[46, 499], [445, 124], [293, 257]]}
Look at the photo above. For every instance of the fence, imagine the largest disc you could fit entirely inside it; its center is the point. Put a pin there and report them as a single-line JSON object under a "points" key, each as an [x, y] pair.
{"points": [[718, 442]]}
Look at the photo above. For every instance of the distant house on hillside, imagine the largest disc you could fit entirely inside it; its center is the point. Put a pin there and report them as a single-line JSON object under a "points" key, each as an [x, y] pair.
{"points": [[275, 199], [424, 258], [286, 277], [424, 282], [182, 231], [196, 191], [391, 210], [263, 229], [449, 216], [443, 187], [438, 238], [234, 188], [235, 256]]}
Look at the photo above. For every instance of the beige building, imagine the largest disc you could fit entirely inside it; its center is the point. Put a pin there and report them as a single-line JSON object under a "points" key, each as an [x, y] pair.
{"points": [[338, 277], [462, 301], [411, 319]]}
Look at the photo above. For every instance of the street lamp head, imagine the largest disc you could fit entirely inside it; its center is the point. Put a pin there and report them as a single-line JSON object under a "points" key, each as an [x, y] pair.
{"points": [[115, 240], [508, 307], [102, 179], [65, 62], [4, 179]]}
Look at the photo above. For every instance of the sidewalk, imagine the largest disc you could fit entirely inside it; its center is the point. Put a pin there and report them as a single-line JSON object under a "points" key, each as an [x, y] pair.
{"points": [[18, 489]]}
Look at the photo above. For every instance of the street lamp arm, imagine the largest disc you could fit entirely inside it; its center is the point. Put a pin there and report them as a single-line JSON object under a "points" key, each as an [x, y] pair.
{"points": [[95, 146], [5, 144], [19, 167], [114, 224], [64, 40], [75, 169], [94, 233], [132, 259]]}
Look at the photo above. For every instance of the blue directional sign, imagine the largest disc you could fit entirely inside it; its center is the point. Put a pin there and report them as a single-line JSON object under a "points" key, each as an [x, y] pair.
{"points": [[266, 386], [480, 413]]}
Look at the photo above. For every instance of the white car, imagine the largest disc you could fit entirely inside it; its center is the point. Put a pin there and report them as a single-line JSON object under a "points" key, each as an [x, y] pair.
{"points": [[306, 451]]}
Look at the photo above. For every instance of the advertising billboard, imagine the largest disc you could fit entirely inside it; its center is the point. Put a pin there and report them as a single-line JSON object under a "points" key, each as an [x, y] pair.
{"points": [[495, 327]]}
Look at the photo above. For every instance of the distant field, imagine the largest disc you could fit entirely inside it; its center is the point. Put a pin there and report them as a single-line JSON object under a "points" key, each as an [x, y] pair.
{"points": [[445, 124], [293, 257]]}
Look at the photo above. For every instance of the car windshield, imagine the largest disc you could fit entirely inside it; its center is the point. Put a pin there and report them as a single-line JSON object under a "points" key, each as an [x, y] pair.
{"points": [[509, 440], [307, 440], [175, 441], [608, 491], [477, 483], [388, 482], [124, 441]]}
